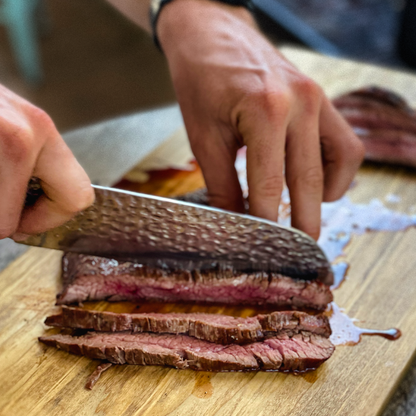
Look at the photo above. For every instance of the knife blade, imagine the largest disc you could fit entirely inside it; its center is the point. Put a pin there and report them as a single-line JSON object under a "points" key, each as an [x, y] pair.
{"points": [[171, 234]]}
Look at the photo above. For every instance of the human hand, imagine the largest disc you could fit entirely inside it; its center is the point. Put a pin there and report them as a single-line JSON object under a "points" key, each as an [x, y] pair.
{"points": [[30, 146], [236, 89]]}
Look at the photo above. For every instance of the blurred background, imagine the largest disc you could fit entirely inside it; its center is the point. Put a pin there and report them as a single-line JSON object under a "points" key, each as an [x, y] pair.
{"points": [[83, 62]]}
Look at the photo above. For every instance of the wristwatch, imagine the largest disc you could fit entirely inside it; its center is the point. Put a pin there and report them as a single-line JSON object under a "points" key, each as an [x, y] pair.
{"points": [[157, 5]]}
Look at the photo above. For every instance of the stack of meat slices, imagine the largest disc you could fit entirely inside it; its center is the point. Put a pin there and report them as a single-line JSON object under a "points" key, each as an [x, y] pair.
{"points": [[280, 341]]}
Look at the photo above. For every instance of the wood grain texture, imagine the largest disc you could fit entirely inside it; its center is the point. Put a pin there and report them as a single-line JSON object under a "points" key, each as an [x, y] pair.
{"points": [[380, 291]]}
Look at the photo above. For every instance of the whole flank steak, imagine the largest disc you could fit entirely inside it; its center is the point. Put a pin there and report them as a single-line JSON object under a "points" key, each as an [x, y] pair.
{"points": [[221, 329], [94, 278]]}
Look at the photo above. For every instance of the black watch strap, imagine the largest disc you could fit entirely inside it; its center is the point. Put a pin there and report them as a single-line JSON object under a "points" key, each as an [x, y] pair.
{"points": [[157, 5]]}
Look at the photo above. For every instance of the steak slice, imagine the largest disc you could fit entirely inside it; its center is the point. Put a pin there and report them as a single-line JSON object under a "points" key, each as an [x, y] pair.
{"points": [[220, 329], [94, 377], [298, 353], [385, 123], [95, 278]]}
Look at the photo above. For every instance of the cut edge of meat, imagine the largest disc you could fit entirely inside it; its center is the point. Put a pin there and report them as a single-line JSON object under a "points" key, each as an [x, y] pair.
{"points": [[222, 329], [297, 354], [93, 278]]}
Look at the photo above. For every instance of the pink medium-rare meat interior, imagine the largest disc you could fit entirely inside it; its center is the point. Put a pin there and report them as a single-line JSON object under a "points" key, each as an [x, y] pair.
{"points": [[94, 278]]}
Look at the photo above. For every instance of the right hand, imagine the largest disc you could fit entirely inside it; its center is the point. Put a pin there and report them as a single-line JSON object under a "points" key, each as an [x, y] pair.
{"points": [[30, 146], [235, 89]]}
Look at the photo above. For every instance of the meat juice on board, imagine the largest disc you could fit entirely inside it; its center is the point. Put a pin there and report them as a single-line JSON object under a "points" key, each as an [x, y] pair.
{"points": [[345, 332], [341, 220]]}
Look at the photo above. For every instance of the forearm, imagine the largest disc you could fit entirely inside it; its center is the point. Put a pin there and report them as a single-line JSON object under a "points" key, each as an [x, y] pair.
{"points": [[182, 19], [136, 10], [181, 12]]}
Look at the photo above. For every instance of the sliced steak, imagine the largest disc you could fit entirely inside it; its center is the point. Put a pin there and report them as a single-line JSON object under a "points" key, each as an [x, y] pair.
{"points": [[220, 329], [385, 123], [298, 353], [95, 376], [94, 278]]}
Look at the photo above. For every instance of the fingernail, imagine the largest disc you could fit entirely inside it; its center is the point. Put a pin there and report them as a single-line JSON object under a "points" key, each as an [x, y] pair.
{"points": [[20, 237]]}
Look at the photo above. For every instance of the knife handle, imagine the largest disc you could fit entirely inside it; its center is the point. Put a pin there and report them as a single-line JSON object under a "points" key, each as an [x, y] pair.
{"points": [[34, 191]]}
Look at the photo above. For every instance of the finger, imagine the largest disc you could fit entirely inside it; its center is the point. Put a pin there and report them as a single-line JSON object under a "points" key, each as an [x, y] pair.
{"points": [[66, 186], [15, 172], [216, 156], [264, 134], [342, 151], [304, 174]]}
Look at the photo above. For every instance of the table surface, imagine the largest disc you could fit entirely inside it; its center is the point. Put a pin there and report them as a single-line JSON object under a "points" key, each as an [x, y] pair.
{"points": [[335, 77]]}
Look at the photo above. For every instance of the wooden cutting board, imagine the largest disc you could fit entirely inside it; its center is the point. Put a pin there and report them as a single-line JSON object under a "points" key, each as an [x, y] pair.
{"points": [[380, 291]]}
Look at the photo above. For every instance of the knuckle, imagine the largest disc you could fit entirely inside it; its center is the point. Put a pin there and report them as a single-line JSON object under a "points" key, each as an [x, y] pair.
{"points": [[41, 119], [313, 178], [279, 103], [310, 179], [274, 104], [310, 88], [17, 142], [270, 187]]}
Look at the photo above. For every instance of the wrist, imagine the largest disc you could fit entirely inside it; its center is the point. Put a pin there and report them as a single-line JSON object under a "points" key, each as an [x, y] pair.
{"points": [[181, 20]]}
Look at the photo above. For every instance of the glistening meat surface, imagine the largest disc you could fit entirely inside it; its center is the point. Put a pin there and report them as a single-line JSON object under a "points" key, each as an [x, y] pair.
{"points": [[302, 352], [221, 329], [94, 278]]}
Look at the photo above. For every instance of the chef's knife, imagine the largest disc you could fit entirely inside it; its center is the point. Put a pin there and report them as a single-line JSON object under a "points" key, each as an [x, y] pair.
{"points": [[172, 234]]}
